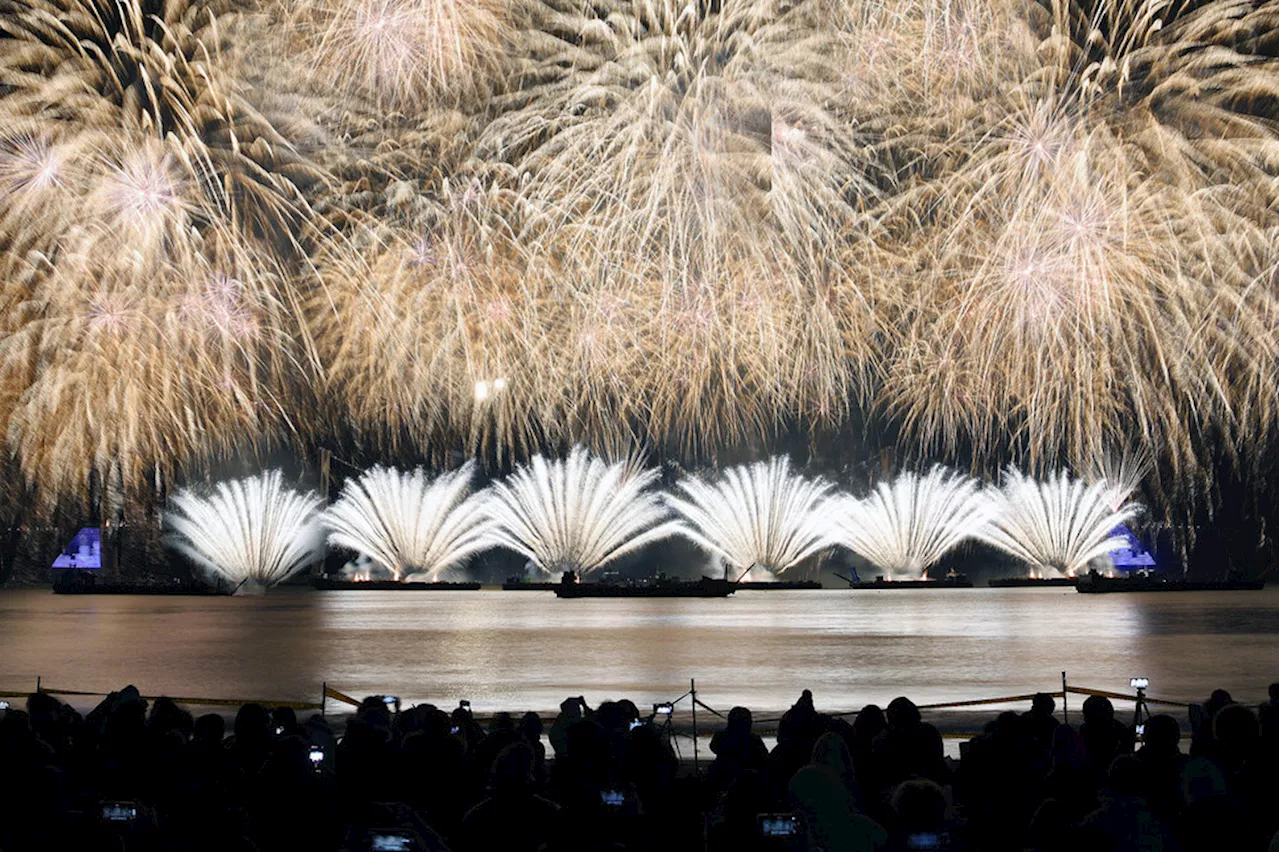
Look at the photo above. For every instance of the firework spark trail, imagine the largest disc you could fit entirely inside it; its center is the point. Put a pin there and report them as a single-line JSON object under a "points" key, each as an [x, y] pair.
{"points": [[414, 526], [906, 525], [252, 529], [760, 517]]}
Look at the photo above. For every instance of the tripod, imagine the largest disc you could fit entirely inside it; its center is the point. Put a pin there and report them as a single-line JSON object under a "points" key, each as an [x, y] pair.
{"points": [[1141, 713]]}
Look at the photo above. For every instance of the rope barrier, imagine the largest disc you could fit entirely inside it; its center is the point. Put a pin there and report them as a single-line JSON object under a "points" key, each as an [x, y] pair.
{"points": [[204, 702], [1120, 696], [980, 701], [761, 724]]}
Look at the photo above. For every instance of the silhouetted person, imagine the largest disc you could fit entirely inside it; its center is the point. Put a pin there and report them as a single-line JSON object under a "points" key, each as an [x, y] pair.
{"points": [[798, 730], [909, 747], [737, 749], [828, 815], [512, 816], [1162, 762], [571, 710], [1070, 782], [531, 734], [919, 809], [1040, 721], [1124, 823], [1201, 716], [830, 751], [1104, 736]]}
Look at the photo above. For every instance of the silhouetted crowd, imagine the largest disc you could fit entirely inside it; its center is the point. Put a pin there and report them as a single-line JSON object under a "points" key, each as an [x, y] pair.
{"points": [[132, 777]]}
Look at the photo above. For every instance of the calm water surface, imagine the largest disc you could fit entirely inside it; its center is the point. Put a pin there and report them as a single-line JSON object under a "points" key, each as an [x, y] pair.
{"points": [[528, 650]]}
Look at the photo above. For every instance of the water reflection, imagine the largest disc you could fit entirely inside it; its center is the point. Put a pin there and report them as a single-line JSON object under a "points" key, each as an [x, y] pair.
{"points": [[529, 650]]}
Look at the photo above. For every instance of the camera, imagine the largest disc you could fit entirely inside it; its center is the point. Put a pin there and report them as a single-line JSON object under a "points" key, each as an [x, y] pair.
{"points": [[612, 798], [663, 709], [119, 811], [391, 840], [1139, 682], [778, 825]]}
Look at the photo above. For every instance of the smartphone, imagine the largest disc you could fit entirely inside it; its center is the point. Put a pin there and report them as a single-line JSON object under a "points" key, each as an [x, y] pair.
{"points": [[119, 811], [663, 709], [455, 730], [926, 840], [4, 705], [612, 798], [778, 825], [316, 756], [465, 705], [279, 730], [389, 700], [635, 723], [391, 841]]}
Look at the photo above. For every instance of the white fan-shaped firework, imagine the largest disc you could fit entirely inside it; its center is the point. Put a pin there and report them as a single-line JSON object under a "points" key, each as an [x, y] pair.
{"points": [[760, 517], [1059, 525], [251, 529], [907, 525], [411, 525], [578, 513], [1121, 473]]}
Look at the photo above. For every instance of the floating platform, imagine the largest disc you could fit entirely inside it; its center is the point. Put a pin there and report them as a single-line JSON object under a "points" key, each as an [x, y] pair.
{"points": [[660, 587], [330, 584], [776, 585], [951, 581], [1030, 582], [84, 583], [1096, 584]]}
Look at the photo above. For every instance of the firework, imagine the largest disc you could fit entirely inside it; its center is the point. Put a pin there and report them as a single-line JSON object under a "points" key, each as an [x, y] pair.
{"points": [[761, 517], [412, 526], [404, 54], [147, 311], [992, 232], [252, 529], [1059, 525], [906, 525], [578, 513]]}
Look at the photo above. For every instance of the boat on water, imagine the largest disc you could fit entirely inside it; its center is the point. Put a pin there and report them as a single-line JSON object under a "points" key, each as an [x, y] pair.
{"points": [[1030, 582], [952, 580], [661, 586], [1095, 584], [327, 583]]}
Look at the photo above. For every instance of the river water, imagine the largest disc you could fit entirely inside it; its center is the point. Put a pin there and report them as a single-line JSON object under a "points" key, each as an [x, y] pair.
{"points": [[528, 650]]}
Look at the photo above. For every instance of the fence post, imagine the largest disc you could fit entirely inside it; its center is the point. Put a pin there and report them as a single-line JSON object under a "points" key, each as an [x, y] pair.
{"points": [[693, 692], [1064, 699]]}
